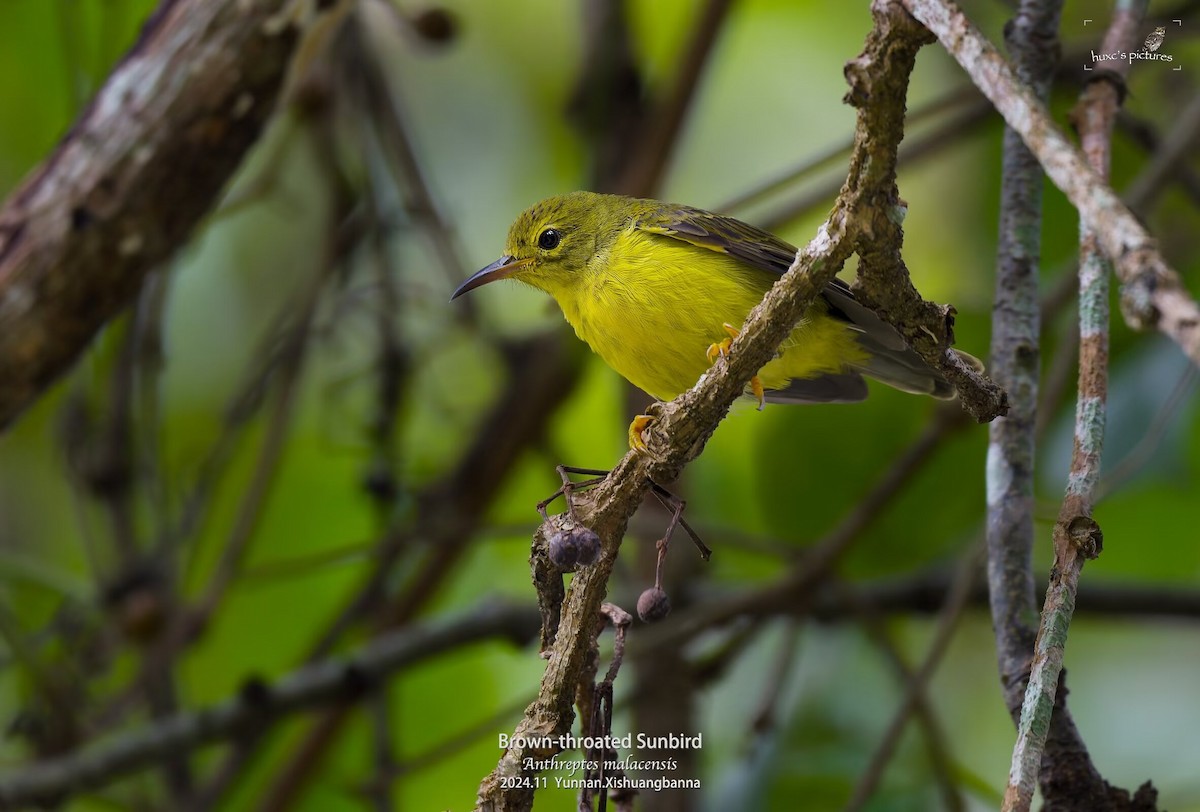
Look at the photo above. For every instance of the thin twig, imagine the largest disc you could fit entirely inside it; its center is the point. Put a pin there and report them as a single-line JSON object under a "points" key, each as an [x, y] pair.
{"points": [[1167, 159], [956, 602], [1032, 38], [1077, 537], [644, 170], [57, 689], [379, 716], [924, 593], [1121, 471], [936, 748], [952, 101], [914, 150], [813, 566], [765, 718], [270, 456], [1153, 295], [369, 84], [260, 704]]}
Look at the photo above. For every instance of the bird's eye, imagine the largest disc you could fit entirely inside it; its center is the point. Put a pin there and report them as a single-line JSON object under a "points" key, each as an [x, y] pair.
{"points": [[549, 239]]}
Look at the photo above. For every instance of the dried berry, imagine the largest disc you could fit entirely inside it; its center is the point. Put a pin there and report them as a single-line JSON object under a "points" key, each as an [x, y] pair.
{"points": [[653, 604], [562, 551], [588, 544], [577, 547]]}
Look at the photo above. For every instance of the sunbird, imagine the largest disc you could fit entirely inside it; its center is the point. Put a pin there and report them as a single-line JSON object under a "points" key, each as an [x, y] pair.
{"points": [[657, 289]]}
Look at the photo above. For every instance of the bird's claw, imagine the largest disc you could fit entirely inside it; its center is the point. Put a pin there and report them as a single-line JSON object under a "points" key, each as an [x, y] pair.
{"points": [[720, 349], [639, 425]]}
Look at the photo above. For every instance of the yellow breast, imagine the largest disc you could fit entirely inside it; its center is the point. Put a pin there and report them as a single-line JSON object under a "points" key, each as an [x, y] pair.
{"points": [[652, 305]]}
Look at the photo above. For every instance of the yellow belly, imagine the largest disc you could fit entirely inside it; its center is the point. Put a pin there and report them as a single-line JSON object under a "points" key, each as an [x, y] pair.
{"points": [[652, 309]]}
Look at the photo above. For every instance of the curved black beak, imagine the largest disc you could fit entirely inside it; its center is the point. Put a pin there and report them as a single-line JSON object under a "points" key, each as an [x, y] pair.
{"points": [[501, 268]]}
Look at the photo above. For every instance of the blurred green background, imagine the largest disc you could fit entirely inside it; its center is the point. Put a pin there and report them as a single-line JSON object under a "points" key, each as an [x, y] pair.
{"points": [[485, 112]]}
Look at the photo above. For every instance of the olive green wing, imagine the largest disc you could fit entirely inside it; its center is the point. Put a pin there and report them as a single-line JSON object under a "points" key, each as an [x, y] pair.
{"points": [[763, 250], [715, 232], [890, 360]]}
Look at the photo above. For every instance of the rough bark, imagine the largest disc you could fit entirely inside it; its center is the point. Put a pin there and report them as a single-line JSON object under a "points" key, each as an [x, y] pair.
{"points": [[129, 182]]}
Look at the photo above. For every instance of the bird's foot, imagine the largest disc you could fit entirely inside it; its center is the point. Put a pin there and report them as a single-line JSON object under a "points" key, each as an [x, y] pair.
{"points": [[639, 425], [720, 349]]}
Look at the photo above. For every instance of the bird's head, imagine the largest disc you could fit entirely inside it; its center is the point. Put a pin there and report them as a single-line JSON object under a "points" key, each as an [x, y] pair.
{"points": [[550, 244]]}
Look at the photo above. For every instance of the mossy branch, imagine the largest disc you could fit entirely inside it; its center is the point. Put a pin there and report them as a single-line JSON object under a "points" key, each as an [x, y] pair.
{"points": [[1077, 537], [1152, 295], [1032, 41]]}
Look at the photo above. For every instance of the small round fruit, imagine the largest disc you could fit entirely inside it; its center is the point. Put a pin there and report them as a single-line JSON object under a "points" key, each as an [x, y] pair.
{"points": [[653, 605]]}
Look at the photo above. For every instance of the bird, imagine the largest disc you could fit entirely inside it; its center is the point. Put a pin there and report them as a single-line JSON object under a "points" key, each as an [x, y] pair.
{"points": [[658, 290], [1155, 40]]}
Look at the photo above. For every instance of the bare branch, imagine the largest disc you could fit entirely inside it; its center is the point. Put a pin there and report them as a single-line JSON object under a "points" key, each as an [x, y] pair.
{"points": [[1077, 537], [1015, 360], [867, 206], [129, 182], [1167, 160], [918, 683], [1153, 296], [260, 704]]}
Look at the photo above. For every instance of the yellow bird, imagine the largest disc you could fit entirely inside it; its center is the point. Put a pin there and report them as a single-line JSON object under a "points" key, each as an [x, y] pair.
{"points": [[656, 289]]}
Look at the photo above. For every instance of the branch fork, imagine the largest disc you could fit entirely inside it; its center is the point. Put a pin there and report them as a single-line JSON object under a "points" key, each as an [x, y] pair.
{"points": [[863, 218]]}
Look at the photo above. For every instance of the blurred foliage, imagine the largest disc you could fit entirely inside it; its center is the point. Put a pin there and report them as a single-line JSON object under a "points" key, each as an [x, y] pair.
{"points": [[486, 114]]}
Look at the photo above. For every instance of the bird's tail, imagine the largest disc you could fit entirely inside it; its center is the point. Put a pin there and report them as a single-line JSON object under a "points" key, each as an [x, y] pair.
{"points": [[903, 369], [889, 358]]}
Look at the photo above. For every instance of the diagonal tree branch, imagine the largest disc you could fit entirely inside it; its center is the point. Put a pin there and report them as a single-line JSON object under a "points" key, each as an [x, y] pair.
{"points": [[1158, 299], [1152, 296], [867, 206], [918, 683], [658, 134], [136, 173], [1071, 782]]}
